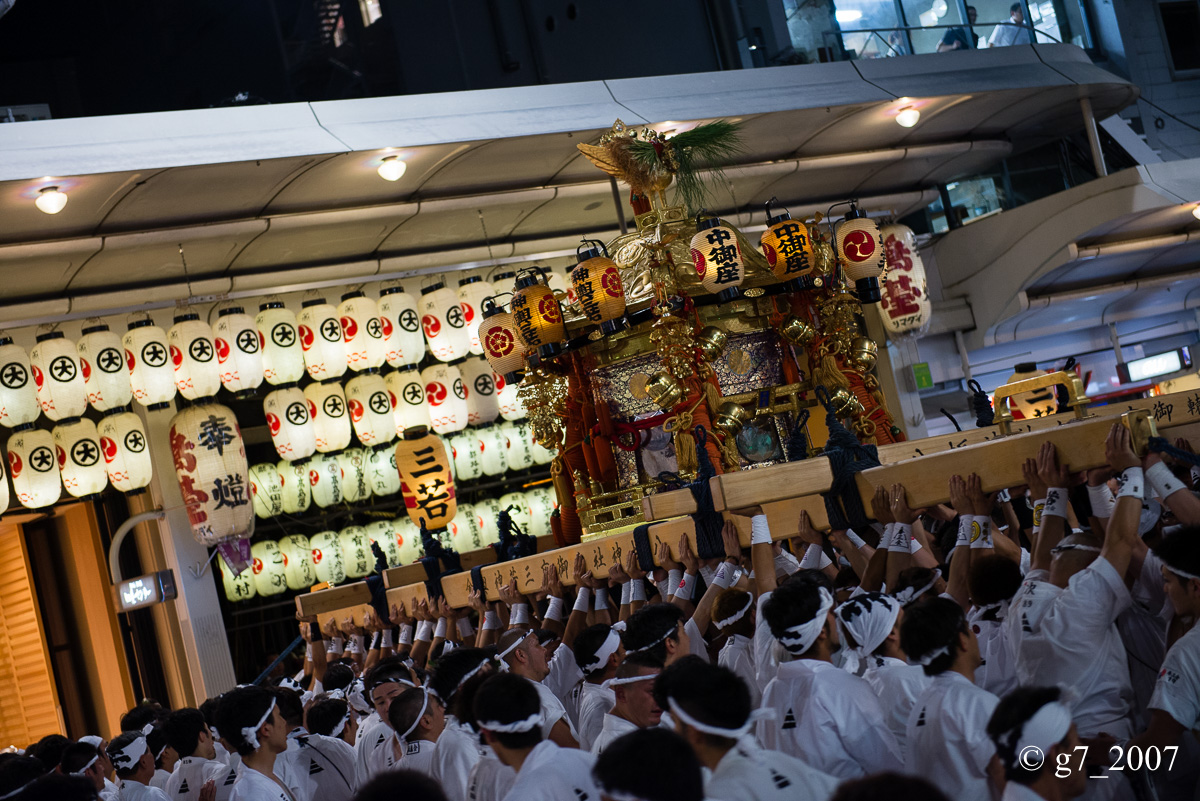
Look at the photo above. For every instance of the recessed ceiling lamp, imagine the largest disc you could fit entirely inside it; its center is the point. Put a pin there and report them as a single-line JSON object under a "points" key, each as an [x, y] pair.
{"points": [[1196, 211], [50, 200], [908, 116], [392, 168], [848, 15]]}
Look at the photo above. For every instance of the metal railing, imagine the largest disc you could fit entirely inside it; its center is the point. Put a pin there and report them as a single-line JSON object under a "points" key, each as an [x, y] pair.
{"points": [[837, 37]]}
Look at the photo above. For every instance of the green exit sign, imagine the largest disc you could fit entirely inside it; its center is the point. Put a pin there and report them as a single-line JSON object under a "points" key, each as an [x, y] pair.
{"points": [[922, 375]]}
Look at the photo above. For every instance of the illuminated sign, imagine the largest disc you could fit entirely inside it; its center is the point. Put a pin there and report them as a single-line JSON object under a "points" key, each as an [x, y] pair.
{"points": [[143, 591], [1156, 366]]}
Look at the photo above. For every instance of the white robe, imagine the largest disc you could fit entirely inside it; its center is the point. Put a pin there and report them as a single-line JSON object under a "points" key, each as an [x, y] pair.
{"points": [[760, 775], [136, 791], [738, 655], [898, 685], [254, 786], [192, 772], [595, 701], [373, 752], [998, 673], [563, 680], [318, 767], [458, 751], [490, 780], [552, 710], [551, 773], [947, 736], [419, 756], [613, 728], [160, 778]]}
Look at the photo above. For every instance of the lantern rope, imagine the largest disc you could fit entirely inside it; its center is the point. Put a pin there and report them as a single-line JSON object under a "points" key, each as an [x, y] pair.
{"points": [[982, 404]]}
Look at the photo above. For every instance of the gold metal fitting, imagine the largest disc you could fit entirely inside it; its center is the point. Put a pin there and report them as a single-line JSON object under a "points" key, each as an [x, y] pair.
{"points": [[843, 404], [730, 418], [798, 332], [665, 391], [863, 354], [712, 341]]}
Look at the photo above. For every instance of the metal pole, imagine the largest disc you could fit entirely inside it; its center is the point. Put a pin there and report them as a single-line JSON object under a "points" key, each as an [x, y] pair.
{"points": [[963, 356], [1093, 136], [114, 548], [616, 193]]}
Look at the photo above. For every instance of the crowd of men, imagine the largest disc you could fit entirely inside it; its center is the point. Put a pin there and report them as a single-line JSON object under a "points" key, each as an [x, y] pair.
{"points": [[1032, 644]]}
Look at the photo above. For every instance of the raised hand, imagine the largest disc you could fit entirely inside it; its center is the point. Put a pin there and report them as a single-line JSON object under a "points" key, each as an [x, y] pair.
{"points": [[806, 532], [881, 506], [1118, 449], [1037, 487], [733, 545], [664, 558], [617, 574], [476, 602], [958, 495], [981, 504], [632, 568], [690, 563], [509, 594], [1051, 472], [551, 581], [900, 508]]}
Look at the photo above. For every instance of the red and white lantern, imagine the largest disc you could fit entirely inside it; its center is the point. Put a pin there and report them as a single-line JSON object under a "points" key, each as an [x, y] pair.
{"points": [[325, 480], [444, 324], [904, 307], [446, 396], [266, 490], [355, 486], [80, 462], [240, 587], [370, 409], [321, 340], [512, 406], [102, 361], [270, 575], [385, 534], [239, 352], [357, 558], [283, 356], [362, 331], [126, 452], [382, 474], [148, 357], [407, 394], [471, 292], [331, 418], [487, 513], [483, 402], [327, 557], [194, 356], [493, 450], [18, 395], [520, 445], [54, 362], [468, 461], [297, 561], [210, 464], [289, 419], [297, 492], [465, 534], [34, 468], [403, 341]]}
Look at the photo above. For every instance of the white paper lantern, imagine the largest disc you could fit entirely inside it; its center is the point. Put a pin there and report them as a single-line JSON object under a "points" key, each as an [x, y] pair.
{"points": [[5, 496], [362, 331], [443, 322], [34, 471], [126, 455], [325, 480], [210, 464], [321, 340], [518, 508], [408, 537], [446, 396], [331, 418], [283, 357], [483, 402], [266, 490], [370, 409], [520, 445], [289, 419], [270, 576], [239, 351], [905, 307], [468, 461], [542, 455], [102, 361], [403, 341], [197, 372], [465, 534], [297, 493], [355, 486], [18, 396], [385, 534], [297, 562], [77, 445], [148, 357], [493, 447], [382, 474], [511, 405], [54, 362], [541, 507], [407, 395], [327, 557], [487, 512], [240, 587], [471, 292], [356, 552]]}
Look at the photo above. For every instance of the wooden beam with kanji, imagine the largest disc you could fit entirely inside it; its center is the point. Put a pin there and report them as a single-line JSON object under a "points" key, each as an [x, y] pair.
{"points": [[410, 574]]}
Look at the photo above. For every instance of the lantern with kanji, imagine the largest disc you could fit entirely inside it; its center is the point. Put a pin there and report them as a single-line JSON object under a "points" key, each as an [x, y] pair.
{"points": [[240, 587], [464, 449], [297, 561], [126, 455], [194, 356], [270, 575], [904, 307], [717, 256], [537, 316], [357, 558], [283, 355], [239, 352], [355, 486], [289, 420], [471, 292], [325, 480], [493, 447], [296, 492], [34, 469], [320, 332], [54, 362], [77, 446], [518, 508], [4, 491], [483, 405], [788, 247], [327, 557], [520, 445], [406, 393], [504, 349], [446, 397], [1035, 403], [860, 252], [403, 341], [428, 488], [148, 357], [18, 396], [540, 501], [542, 454], [465, 534], [408, 537], [596, 282], [362, 331], [444, 324], [512, 405], [386, 536], [487, 511], [331, 418], [382, 474], [210, 464], [370, 409], [102, 361], [266, 490]]}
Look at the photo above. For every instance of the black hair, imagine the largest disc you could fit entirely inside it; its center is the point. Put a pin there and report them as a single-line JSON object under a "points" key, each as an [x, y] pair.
{"points": [[993, 579], [337, 677], [209, 710], [402, 714], [846, 578], [401, 783], [931, 624], [810, 576], [546, 636], [18, 770], [49, 750], [137, 718], [156, 742], [587, 644], [794, 602], [242, 708], [117, 744], [1016, 7], [182, 729], [325, 715], [653, 764], [1006, 725], [914, 578], [727, 604], [60, 787], [76, 756], [291, 708], [450, 671], [1181, 550], [888, 787], [505, 698], [709, 693], [650, 623]]}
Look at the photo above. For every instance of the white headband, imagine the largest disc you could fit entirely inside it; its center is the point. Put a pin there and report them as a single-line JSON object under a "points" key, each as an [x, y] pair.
{"points": [[627, 680], [717, 731], [504, 654], [1074, 546], [341, 727], [84, 769], [663, 638], [868, 618], [1044, 730], [929, 658], [288, 683], [128, 756], [609, 647], [19, 790], [355, 695], [92, 740], [517, 727], [615, 795], [470, 674], [1181, 573], [910, 594], [800, 638], [250, 733], [421, 714], [736, 616]]}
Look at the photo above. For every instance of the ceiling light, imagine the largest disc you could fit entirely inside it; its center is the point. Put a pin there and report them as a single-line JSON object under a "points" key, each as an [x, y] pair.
{"points": [[392, 168], [50, 200], [908, 116], [848, 15], [1196, 211]]}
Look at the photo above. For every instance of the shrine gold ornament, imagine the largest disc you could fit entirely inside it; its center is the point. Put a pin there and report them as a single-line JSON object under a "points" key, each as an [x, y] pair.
{"points": [[863, 355], [712, 342], [730, 418], [665, 391], [798, 332]]}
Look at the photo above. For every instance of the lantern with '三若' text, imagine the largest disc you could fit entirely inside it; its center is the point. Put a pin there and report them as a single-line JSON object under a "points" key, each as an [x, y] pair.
{"points": [[239, 353], [1035, 403], [425, 479], [102, 361], [904, 307], [717, 256], [210, 464], [860, 252]]}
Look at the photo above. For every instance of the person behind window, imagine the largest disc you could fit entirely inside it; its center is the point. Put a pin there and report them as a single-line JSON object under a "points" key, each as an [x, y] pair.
{"points": [[960, 38], [1011, 32]]}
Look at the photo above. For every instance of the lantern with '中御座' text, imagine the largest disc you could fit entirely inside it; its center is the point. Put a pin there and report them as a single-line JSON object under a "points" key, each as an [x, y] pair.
{"points": [[370, 408], [54, 362], [320, 332], [717, 256], [289, 419], [194, 356], [503, 348], [327, 557], [331, 418], [446, 397], [33, 468], [239, 353], [210, 464], [18, 396], [536, 315], [362, 331], [425, 479], [904, 307], [860, 252], [102, 361], [403, 341], [444, 324], [148, 357], [283, 356], [788, 247], [596, 281], [126, 455], [77, 445], [471, 292]]}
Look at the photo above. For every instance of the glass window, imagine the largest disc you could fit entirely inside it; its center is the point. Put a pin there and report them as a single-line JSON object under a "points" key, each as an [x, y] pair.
{"points": [[370, 11], [943, 24], [970, 199], [1181, 29], [870, 28]]}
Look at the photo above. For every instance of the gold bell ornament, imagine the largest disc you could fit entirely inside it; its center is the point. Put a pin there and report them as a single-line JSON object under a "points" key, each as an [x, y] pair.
{"points": [[730, 418], [864, 353], [596, 280], [712, 341], [665, 391], [843, 404], [788, 247], [798, 332]]}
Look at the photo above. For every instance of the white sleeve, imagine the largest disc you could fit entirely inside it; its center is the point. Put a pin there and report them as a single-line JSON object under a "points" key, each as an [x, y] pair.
{"points": [[766, 665], [1089, 605], [1177, 691], [697, 645], [564, 673], [871, 745], [455, 761]]}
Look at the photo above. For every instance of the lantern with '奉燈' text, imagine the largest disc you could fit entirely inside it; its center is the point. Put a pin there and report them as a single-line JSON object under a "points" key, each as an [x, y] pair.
{"points": [[596, 281], [102, 361], [406, 392], [362, 331], [537, 316], [34, 470], [446, 397], [296, 491], [717, 256], [403, 341], [426, 483], [904, 307], [504, 349], [270, 575], [297, 561], [283, 356], [357, 558], [788, 247], [210, 464], [471, 292], [381, 471], [266, 490], [240, 587], [18, 396], [197, 373], [325, 480], [320, 332], [289, 419], [148, 357], [355, 486], [54, 362], [327, 557], [861, 253], [331, 418], [77, 446], [444, 324], [239, 353], [370, 408], [483, 405], [126, 455]]}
